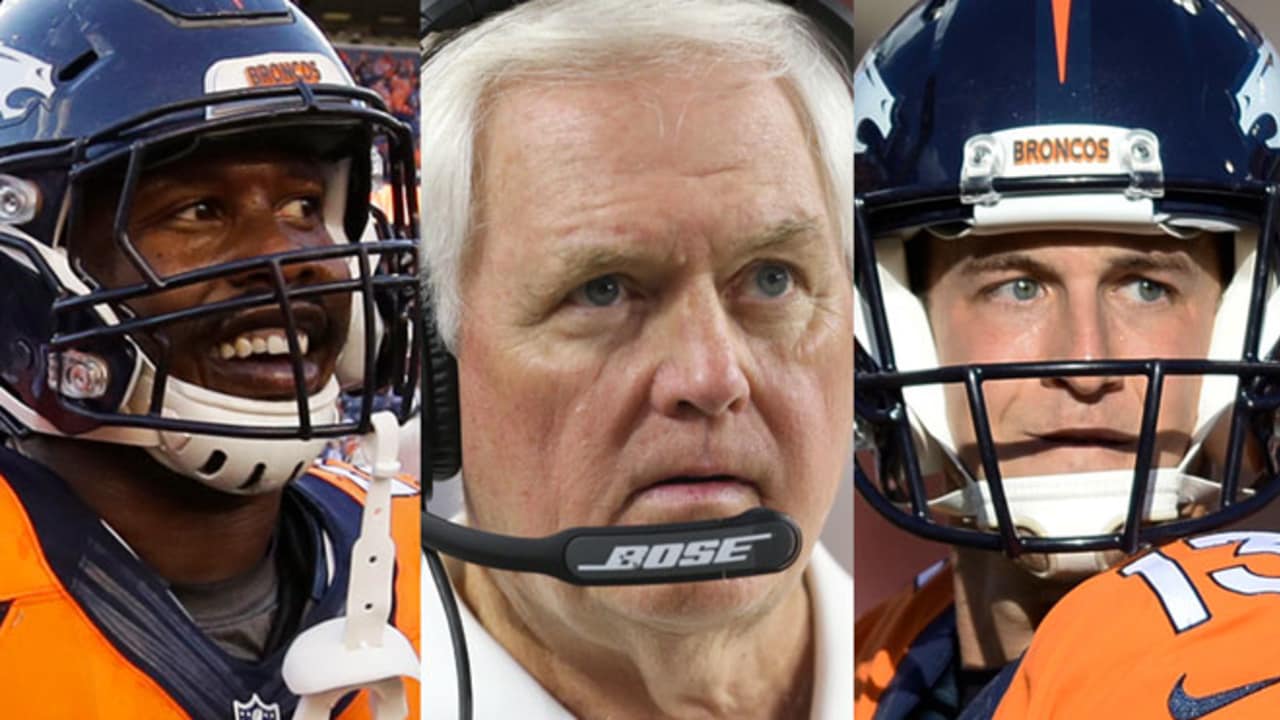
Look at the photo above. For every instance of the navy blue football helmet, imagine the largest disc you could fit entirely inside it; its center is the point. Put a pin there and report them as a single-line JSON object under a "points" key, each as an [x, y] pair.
{"points": [[977, 118], [94, 89]]}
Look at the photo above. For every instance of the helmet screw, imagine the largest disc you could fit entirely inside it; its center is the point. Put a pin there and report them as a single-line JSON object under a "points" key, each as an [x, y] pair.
{"points": [[10, 202], [84, 376], [981, 152], [19, 200]]}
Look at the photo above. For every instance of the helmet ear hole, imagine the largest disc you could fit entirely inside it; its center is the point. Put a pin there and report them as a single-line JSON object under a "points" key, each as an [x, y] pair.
{"points": [[72, 69], [255, 477], [215, 462]]}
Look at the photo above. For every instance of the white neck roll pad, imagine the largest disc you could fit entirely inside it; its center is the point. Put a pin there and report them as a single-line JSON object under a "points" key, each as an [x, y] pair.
{"points": [[1079, 504]]}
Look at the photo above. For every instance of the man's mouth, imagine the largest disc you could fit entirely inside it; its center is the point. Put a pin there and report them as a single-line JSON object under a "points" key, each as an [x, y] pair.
{"points": [[263, 332], [693, 496], [249, 353], [263, 341], [1088, 437]]}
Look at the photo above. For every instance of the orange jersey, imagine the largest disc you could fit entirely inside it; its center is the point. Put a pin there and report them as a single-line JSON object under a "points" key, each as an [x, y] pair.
{"points": [[1185, 631], [903, 645], [89, 632]]}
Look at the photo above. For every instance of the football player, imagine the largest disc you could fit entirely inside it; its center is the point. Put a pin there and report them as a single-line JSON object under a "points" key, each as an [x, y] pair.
{"points": [[1064, 270], [186, 288]]}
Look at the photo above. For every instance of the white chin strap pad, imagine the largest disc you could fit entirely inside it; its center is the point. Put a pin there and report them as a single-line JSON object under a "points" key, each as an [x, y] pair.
{"points": [[1078, 504], [242, 466]]}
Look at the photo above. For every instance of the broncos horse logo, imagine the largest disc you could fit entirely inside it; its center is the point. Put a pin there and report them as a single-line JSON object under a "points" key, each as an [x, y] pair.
{"points": [[23, 80], [873, 100], [1259, 94]]}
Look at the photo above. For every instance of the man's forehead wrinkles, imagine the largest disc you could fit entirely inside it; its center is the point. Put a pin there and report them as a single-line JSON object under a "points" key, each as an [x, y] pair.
{"points": [[606, 249], [793, 230], [601, 253]]}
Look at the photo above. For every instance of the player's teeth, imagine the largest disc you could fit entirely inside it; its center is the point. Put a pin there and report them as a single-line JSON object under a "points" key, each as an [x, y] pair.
{"points": [[259, 342]]}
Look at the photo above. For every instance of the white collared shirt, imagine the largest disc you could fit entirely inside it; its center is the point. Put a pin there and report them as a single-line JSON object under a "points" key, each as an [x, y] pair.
{"points": [[502, 688]]}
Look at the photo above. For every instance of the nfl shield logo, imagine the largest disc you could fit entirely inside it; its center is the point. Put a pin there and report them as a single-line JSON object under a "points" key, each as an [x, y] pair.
{"points": [[255, 709]]}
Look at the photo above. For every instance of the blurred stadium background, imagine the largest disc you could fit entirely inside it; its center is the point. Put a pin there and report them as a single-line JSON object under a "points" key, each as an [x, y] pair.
{"points": [[378, 40]]}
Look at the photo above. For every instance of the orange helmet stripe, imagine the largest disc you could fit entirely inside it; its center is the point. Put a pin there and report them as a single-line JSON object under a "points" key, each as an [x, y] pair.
{"points": [[1062, 35]]}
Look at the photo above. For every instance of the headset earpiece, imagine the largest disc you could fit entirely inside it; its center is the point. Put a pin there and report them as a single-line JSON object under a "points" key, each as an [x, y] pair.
{"points": [[441, 426]]}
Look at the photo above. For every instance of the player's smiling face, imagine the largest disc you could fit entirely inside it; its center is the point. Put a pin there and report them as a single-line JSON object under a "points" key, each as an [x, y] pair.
{"points": [[1073, 296], [214, 207]]}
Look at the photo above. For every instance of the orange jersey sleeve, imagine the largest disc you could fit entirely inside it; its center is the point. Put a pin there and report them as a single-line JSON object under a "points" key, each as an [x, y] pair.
{"points": [[1185, 631], [40, 624], [58, 660]]}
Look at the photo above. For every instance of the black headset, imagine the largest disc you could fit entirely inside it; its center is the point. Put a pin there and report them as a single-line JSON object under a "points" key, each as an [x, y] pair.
{"points": [[441, 422]]}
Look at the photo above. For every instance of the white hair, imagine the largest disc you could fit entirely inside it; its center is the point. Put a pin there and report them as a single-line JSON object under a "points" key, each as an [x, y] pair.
{"points": [[561, 39]]}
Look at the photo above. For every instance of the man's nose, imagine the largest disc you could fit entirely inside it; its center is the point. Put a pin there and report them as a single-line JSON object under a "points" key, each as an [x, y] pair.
{"points": [[1085, 334], [702, 353], [260, 232]]}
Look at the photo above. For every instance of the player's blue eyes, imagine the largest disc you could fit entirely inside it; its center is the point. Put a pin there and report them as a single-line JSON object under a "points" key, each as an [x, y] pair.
{"points": [[1142, 290], [1147, 291], [1020, 290]]}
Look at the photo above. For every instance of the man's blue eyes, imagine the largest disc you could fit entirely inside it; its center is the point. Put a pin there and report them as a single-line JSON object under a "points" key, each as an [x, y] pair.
{"points": [[771, 280], [602, 291]]}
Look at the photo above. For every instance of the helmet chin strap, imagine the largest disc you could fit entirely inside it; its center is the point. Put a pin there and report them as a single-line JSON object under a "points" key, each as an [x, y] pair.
{"points": [[1075, 505], [242, 466], [361, 650], [231, 464]]}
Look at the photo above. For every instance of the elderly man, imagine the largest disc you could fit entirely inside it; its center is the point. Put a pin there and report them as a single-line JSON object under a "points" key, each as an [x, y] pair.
{"points": [[1064, 260], [638, 230]]}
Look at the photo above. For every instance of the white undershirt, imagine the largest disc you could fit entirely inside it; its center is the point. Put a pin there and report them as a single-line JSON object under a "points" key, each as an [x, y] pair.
{"points": [[502, 688]]}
